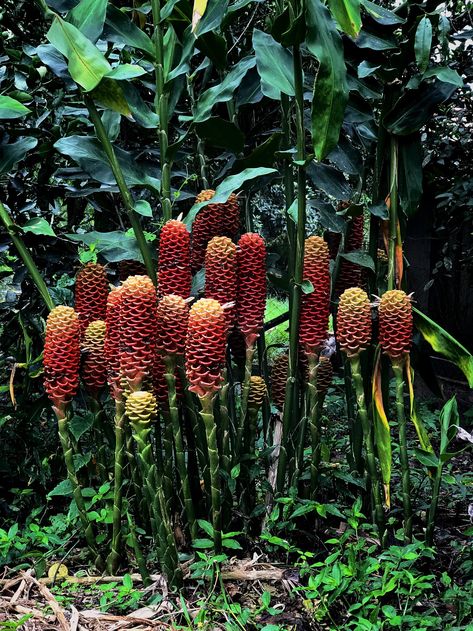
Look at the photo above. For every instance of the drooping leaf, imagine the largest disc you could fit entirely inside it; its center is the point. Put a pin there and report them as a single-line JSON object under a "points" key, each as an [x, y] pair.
{"points": [[367, 68], [327, 216], [222, 92], [416, 420], [330, 88], [410, 173], [329, 180], [423, 43], [359, 257], [212, 17], [11, 108], [373, 41], [126, 71], [381, 15], [445, 344], [38, 225], [347, 15], [143, 207], [445, 74], [86, 63], [274, 64], [14, 152], [227, 187], [346, 157], [119, 29], [110, 94], [113, 246], [89, 17], [382, 430], [197, 12]]}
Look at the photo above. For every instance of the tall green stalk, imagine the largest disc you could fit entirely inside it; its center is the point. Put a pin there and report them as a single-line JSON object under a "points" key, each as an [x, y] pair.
{"points": [[291, 407], [245, 392], [122, 186], [398, 368], [114, 556], [214, 462], [26, 257], [377, 503], [393, 213], [76, 489], [169, 375], [314, 425]]}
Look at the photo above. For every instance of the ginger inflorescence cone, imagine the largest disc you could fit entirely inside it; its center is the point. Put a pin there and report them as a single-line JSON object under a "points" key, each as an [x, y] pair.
{"points": [[94, 364], [324, 375], [61, 358], [395, 324], [251, 294], [221, 275], [138, 332], [141, 411], [112, 341], [91, 292], [174, 266], [258, 392], [213, 220], [172, 318], [350, 274], [278, 380], [315, 307], [354, 321]]}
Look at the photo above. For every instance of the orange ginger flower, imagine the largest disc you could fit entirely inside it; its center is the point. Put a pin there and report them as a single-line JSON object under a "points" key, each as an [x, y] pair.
{"points": [[251, 293], [395, 324], [172, 318], [94, 364], [174, 268], [315, 307], [354, 321], [112, 340], [221, 275], [205, 346], [91, 293], [61, 357]]}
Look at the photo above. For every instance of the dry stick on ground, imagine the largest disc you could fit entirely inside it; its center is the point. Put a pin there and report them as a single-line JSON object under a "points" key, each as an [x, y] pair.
{"points": [[52, 602]]}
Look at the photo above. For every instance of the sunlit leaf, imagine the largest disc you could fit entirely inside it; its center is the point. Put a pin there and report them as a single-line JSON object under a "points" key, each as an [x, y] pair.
{"points": [[11, 108]]}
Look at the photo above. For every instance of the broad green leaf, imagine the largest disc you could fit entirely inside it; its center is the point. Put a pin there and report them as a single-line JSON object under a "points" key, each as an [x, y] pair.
{"points": [[381, 15], [126, 71], [64, 488], [274, 64], [359, 258], [423, 43], [329, 180], [80, 424], [415, 418], [212, 17], [88, 153], [367, 68], [415, 107], [89, 17], [410, 172], [197, 12], [445, 344], [366, 39], [142, 207], [86, 63], [39, 225], [226, 188], [347, 15], [110, 94], [80, 460], [445, 74], [346, 157], [449, 420], [14, 152], [222, 92], [330, 88], [113, 246], [119, 29], [11, 108]]}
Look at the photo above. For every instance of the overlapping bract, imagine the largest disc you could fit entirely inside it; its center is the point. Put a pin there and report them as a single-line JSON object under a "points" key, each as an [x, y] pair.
{"points": [[221, 275], [315, 308], [94, 364], [278, 380], [324, 374], [141, 408], [138, 331], [258, 392], [350, 274], [91, 292], [213, 220], [112, 340], [62, 355], [395, 323], [251, 292], [354, 321], [205, 346], [174, 269], [172, 319]]}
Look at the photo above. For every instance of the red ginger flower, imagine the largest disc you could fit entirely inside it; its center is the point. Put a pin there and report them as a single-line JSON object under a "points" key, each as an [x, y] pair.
{"points": [[213, 220], [354, 321], [174, 268], [279, 372], [251, 293], [350, 274], [221, 274], [112, 339], [172, 318], [61, 357], [315, 308], [94, 364], [324, 374], [395, 323], [129, 267], [91, 294], [138, 330], [205, 346]]}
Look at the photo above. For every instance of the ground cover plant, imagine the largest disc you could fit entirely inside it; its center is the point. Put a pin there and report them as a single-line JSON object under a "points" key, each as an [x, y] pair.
{"points": [[221, 406]]}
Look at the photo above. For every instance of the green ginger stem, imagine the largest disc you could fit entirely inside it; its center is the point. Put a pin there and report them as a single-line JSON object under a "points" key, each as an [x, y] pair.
{"points": [[120, 420], [140, 560], [245, 392], [170, 363], [214, 462], [377, 505], [76, 488], [314, 424], [398, 368]]}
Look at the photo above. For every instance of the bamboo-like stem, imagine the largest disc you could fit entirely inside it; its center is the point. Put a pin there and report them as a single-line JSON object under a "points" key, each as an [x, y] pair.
{"points": [[101, 458], [168, 464], [141, 503], [398, 368], [157, 503], [250, 444], [393, 213], [26, 257], [355, 429], [114, 556], [140, 560], [314, 425], [429, 531], [214, 461], [225, 423], [76, 488], [122, 186], [291, 407], [245, 392], [170, 377], [377, 504]]}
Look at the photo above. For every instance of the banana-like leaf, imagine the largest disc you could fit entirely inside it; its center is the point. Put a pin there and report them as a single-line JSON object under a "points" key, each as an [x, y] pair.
{"points": [[347, 14], [382, 430], [445, 344], [418, 424]]}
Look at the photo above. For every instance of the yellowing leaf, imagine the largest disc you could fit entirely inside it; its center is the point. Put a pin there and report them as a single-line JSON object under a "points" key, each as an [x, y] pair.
{"points": [[197, 12], [58, 570], [418, 424], [381, 429]]}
